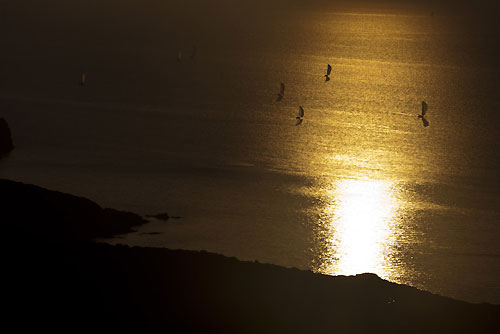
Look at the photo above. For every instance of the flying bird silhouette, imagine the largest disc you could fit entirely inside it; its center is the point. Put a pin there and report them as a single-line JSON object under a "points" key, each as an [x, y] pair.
{"points": [[301, 111], [299, 118], [328, 71], [422, 116], [282, 91]]}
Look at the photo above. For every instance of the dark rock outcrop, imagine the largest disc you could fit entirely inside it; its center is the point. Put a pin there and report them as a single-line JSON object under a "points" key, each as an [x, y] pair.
{"points": [[5, 138], [83, 286], [160, 216]]}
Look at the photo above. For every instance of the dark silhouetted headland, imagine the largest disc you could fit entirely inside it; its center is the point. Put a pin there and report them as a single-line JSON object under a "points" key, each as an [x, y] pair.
{"points": [[60, 217], [58, 279]]}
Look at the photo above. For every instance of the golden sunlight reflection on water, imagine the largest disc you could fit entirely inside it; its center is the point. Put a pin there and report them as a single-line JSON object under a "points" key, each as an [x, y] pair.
{"points": [[358, 229]]}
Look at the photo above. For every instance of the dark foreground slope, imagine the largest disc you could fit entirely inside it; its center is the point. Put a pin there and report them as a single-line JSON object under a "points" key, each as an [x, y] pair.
{"points": [[58, 279]]}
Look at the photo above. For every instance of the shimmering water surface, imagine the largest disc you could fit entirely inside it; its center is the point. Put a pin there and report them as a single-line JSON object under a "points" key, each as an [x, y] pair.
{"points": [[360, 186]]}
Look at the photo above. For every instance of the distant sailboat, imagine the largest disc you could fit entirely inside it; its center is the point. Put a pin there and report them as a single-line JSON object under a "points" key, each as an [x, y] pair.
{"points": [[282, 91], [299, 118], [179, 55], [424, 110], [328, 71], [83, 79]]}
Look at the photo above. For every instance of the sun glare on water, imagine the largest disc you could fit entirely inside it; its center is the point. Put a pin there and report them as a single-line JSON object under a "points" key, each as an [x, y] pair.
{"points": [[358, 228]]}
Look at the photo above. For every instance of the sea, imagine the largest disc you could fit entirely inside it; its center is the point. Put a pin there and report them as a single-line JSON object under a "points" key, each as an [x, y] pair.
{"points": [[179, 114]]}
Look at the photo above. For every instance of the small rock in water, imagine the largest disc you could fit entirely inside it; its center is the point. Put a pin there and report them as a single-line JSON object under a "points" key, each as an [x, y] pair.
{"points": [[161, 216]]}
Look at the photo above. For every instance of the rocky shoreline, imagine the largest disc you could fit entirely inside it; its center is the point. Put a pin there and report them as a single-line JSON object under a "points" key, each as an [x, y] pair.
{"points": [[59, 279]]}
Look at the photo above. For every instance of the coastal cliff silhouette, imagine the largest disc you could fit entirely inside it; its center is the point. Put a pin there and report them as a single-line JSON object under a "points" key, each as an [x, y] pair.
{"points": [[59, 278]]}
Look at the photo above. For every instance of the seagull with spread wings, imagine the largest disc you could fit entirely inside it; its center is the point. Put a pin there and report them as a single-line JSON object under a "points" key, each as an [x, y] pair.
{"points": [[299, 118], [328, 71], [422, 116]]}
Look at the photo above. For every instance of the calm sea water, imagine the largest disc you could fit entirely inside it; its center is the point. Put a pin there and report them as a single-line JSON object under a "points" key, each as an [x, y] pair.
{"points": [[360, 186]]}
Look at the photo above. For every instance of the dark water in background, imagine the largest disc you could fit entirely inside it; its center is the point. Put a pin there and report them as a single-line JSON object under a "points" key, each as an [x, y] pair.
{"points": [[360, 186]]}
